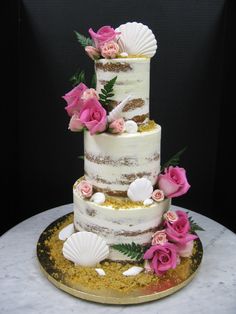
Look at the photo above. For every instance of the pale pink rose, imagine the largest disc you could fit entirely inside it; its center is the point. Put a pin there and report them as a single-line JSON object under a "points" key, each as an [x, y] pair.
{"points": [[103, 35], [110, 50], [185, 250], [171, 216], [178, 231], [117, 126], [93, 116], [89, 93], [173, 182], [159, 237], [162, 257], [73, 99], [85, 189], [75, 124], [158, 195], [92, 52]]}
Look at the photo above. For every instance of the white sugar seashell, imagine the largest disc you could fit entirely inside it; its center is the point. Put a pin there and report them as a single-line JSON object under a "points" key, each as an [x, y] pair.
{"points": [[85, 249], [100, 271], [137, 39], [140, 190], [133, 271], [116, 113], [124, 54], [148, 201], [98, 198], [131, 126], [66, 232]]}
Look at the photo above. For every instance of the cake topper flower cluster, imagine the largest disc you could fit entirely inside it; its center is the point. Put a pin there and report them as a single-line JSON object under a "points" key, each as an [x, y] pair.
{"points": [[128, 40]]}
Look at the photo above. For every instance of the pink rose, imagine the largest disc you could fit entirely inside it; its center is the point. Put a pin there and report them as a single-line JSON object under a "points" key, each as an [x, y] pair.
{"points": [[173, 182], [85, 189], [171, 216], [117, 126], [159, 237], [110, 50], [93, 116], [73, 99], [89, 93], [75, 124], [92, 52], [103, 35], [185, 250], [163, 257], [158, 195], [178, 231]]}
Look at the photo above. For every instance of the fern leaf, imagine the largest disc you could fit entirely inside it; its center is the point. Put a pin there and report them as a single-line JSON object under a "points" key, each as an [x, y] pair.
{"points": [[134, 251], [78, 77], [107, 91], [194, 226], [84, 41], [174, 160]]}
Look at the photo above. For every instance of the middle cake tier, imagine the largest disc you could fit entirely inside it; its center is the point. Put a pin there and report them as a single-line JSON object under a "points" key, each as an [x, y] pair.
{"points": [[113, 162]]}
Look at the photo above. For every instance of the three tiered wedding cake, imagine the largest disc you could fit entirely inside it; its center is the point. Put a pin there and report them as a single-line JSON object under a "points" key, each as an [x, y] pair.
{"points": [[122, 204]]}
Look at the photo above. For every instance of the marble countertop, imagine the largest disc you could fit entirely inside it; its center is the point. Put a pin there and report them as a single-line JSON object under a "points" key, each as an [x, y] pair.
{"points": [[24, 289]]}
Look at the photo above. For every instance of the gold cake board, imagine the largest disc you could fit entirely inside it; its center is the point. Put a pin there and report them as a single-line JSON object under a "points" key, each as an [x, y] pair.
{"points": [[145, 294]]}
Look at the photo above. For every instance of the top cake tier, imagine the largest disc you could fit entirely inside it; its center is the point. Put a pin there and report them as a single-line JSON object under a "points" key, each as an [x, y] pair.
{"points": [[133, 79]]}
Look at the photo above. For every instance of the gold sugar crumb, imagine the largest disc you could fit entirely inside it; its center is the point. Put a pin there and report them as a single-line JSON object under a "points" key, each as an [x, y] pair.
{"points": [[76, 276], [149, 126], [124, 203]]}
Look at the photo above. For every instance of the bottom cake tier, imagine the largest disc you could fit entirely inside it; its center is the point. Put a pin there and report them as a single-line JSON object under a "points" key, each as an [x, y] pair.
{"points": [[118, 220]]}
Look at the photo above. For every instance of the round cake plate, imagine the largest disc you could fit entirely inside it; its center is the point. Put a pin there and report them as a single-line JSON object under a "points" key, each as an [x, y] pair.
{"points": [[148, 293]]}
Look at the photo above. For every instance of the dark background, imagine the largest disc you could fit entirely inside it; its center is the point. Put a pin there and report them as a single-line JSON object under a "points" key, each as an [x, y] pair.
{"points": [[192, 93]]}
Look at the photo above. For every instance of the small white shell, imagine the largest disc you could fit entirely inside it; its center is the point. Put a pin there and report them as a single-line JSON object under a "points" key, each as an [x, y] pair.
{"points": [[85, 249], [98, 198], [100, 271], [140, 190], [116, 113], [66, 232], [131, 126], [133, 271], [137, 39], [124, 54], [148, 201]]}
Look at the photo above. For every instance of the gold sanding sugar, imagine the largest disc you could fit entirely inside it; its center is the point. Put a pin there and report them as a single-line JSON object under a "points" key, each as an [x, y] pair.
{"points": [[149, 126], [124, 203], [76, 276]]}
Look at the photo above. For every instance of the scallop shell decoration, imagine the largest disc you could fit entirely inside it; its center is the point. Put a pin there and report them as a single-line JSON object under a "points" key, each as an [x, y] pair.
{"points": [[137, 39], [85, 249], [116, 113], [140, 190]]}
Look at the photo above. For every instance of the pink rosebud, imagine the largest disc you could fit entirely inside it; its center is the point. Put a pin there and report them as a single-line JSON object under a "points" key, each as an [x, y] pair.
{"points": [[162, 257], [93, 116], [89, 93], [185, 250], [103, 35], [159, 237], [173, 182], [85, 189], [171, 216], [110, 50], [117, 126], [75, 124], [92, 52], [73, 99], [158, 195]]}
